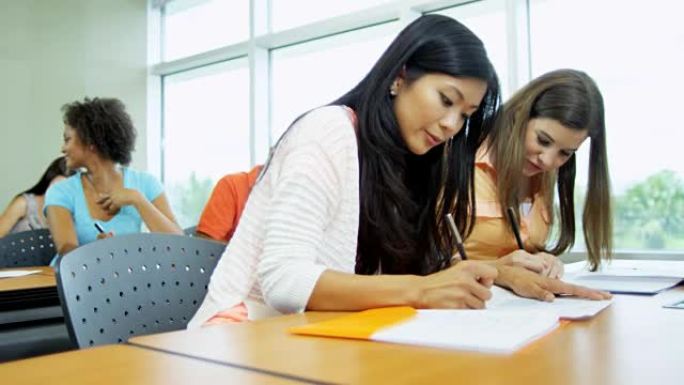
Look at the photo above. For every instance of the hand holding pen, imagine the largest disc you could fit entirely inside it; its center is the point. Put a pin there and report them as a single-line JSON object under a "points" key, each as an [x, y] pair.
{"points": [[102, 234], [552, 266]]}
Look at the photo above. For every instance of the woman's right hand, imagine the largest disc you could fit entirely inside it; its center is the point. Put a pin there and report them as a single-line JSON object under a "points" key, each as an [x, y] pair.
{"points": [[464, 285], [105, 235]]}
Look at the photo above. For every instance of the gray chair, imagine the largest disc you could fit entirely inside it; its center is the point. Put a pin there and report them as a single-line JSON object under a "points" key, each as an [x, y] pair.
{"points": [[190, 231], [131, 285], [27, 248]]}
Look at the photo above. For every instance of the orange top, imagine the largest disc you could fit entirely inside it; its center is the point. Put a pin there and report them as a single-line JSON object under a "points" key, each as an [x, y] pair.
{"points": [[492, 236], [222, 212]]}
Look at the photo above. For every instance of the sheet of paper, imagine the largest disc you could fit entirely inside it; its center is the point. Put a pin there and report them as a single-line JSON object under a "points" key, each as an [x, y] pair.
{"points": [[492, 331], [624, 284], [562, 307], [627, 275], [17, 273], [632, 268]]}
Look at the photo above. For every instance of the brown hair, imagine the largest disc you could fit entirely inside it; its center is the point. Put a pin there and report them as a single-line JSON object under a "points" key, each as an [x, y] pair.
{"points": [[573, 99]]}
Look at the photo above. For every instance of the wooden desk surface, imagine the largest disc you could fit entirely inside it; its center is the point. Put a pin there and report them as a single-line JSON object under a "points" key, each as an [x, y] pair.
{"points": [[634, 341], [122, 364], [46, 278]]}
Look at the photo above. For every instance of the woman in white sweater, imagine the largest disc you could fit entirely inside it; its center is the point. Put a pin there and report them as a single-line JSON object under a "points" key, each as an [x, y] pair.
{"points": [[348, 213]]}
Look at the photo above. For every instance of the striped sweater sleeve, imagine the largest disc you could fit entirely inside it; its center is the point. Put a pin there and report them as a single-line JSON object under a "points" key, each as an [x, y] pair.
{"points": [[303, 205]]}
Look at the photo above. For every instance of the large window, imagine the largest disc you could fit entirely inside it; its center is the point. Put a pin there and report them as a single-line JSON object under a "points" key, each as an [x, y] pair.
{"points": [[206, 133], [220, 118], [637, 61]]}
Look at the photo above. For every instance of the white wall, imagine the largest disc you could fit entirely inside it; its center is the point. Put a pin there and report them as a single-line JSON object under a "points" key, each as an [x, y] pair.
{"points": [[56, 51]]}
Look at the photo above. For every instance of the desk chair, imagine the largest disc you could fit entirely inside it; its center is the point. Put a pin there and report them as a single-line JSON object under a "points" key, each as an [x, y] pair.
{"points": [[27, 248], [190, 231], [131, 285]]}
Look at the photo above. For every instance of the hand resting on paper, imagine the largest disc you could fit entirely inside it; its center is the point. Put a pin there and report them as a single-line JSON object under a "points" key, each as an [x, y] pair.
{"points": [[529, 284]]}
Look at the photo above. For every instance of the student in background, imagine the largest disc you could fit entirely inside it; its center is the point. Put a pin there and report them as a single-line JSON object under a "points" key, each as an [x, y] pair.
{"points": [[99, 137], [25, 211], [349, 211], [222, 212], [530, 153]]}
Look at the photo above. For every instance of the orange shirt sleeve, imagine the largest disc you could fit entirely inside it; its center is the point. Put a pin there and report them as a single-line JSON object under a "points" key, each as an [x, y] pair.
{"points": [[219, 216], [222, 212]]}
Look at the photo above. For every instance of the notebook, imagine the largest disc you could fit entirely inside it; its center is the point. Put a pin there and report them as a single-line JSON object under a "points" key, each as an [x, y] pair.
{"points": [[628, 276], [490, 331], [509, 323]]}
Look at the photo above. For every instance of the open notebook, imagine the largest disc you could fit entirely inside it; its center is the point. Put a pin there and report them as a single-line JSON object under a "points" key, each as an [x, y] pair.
{"points": [[509, 323], [628, 276]]}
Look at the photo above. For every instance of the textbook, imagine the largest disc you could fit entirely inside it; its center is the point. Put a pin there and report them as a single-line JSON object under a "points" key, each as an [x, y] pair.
{"points": [[628, 276], [504, 327]]}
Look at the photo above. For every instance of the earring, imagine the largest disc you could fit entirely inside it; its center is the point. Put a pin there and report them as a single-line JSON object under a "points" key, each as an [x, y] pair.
{"points": [[394, 88]]}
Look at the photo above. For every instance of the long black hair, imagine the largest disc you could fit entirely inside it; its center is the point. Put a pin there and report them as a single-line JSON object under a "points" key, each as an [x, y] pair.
{"points": [[56, 168], [404, 197]]}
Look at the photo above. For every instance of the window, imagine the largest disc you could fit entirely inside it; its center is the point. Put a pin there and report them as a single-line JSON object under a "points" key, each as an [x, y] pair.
{"points": [[315, 73], [194, 26], [206, 133], [637, 62], [293, 13]]}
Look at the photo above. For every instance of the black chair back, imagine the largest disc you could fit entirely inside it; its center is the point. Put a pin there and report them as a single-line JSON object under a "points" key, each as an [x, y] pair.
{"points": [[27, 248], [131, 285]]}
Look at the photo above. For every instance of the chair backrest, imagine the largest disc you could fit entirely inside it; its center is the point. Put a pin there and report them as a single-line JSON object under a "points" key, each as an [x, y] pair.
{"points": [[27, 248], [190, 231], [131, 285]]}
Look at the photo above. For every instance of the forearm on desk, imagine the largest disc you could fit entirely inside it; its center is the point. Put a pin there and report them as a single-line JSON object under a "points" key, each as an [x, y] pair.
{"points": [[341, 291]]}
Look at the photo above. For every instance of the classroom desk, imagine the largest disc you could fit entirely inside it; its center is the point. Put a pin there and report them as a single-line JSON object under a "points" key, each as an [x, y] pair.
{"points": [[31, 319], [634, 341], [44, 279], [125, 364]]}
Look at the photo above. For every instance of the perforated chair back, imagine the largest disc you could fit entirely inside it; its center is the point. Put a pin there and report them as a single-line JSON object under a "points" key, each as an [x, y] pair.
{"points": [[131, 285], [190, 231], [27, 248]]}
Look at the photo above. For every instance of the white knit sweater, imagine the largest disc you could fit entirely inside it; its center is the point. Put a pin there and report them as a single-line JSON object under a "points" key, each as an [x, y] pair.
{"points": [[301, 218]]}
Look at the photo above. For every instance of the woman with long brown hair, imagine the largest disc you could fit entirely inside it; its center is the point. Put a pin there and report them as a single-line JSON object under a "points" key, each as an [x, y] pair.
{"points": [[530, 153]]}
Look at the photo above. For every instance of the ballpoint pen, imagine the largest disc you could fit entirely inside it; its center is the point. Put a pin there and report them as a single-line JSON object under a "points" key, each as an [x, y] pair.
{"points": [[457, 236], [514, 225]]}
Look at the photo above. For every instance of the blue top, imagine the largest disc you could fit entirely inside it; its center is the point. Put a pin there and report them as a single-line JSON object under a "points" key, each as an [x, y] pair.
{"points": [[69, 194]]}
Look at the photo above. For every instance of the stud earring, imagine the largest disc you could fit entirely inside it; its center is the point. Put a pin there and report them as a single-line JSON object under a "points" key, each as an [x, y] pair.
{"points": [[393, 91]]}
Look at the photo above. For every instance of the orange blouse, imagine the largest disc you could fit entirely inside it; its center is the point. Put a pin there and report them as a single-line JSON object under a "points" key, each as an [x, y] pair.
{"points": [[492, 236]]}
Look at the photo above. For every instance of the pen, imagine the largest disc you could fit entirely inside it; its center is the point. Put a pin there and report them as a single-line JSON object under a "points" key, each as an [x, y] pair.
{"points": [[457, 236], [514, 226], [99, 228]]}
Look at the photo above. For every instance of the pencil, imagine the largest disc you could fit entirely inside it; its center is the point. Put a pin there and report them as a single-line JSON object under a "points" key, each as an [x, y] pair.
{"points": [[457, 236], [514, 225]]}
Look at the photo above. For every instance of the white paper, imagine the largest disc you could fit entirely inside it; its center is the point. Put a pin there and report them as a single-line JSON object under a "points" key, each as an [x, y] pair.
{"points": [[628, 276], [493, 331], [562, 307], [631, 268], [617, 284], [17, 273]]}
